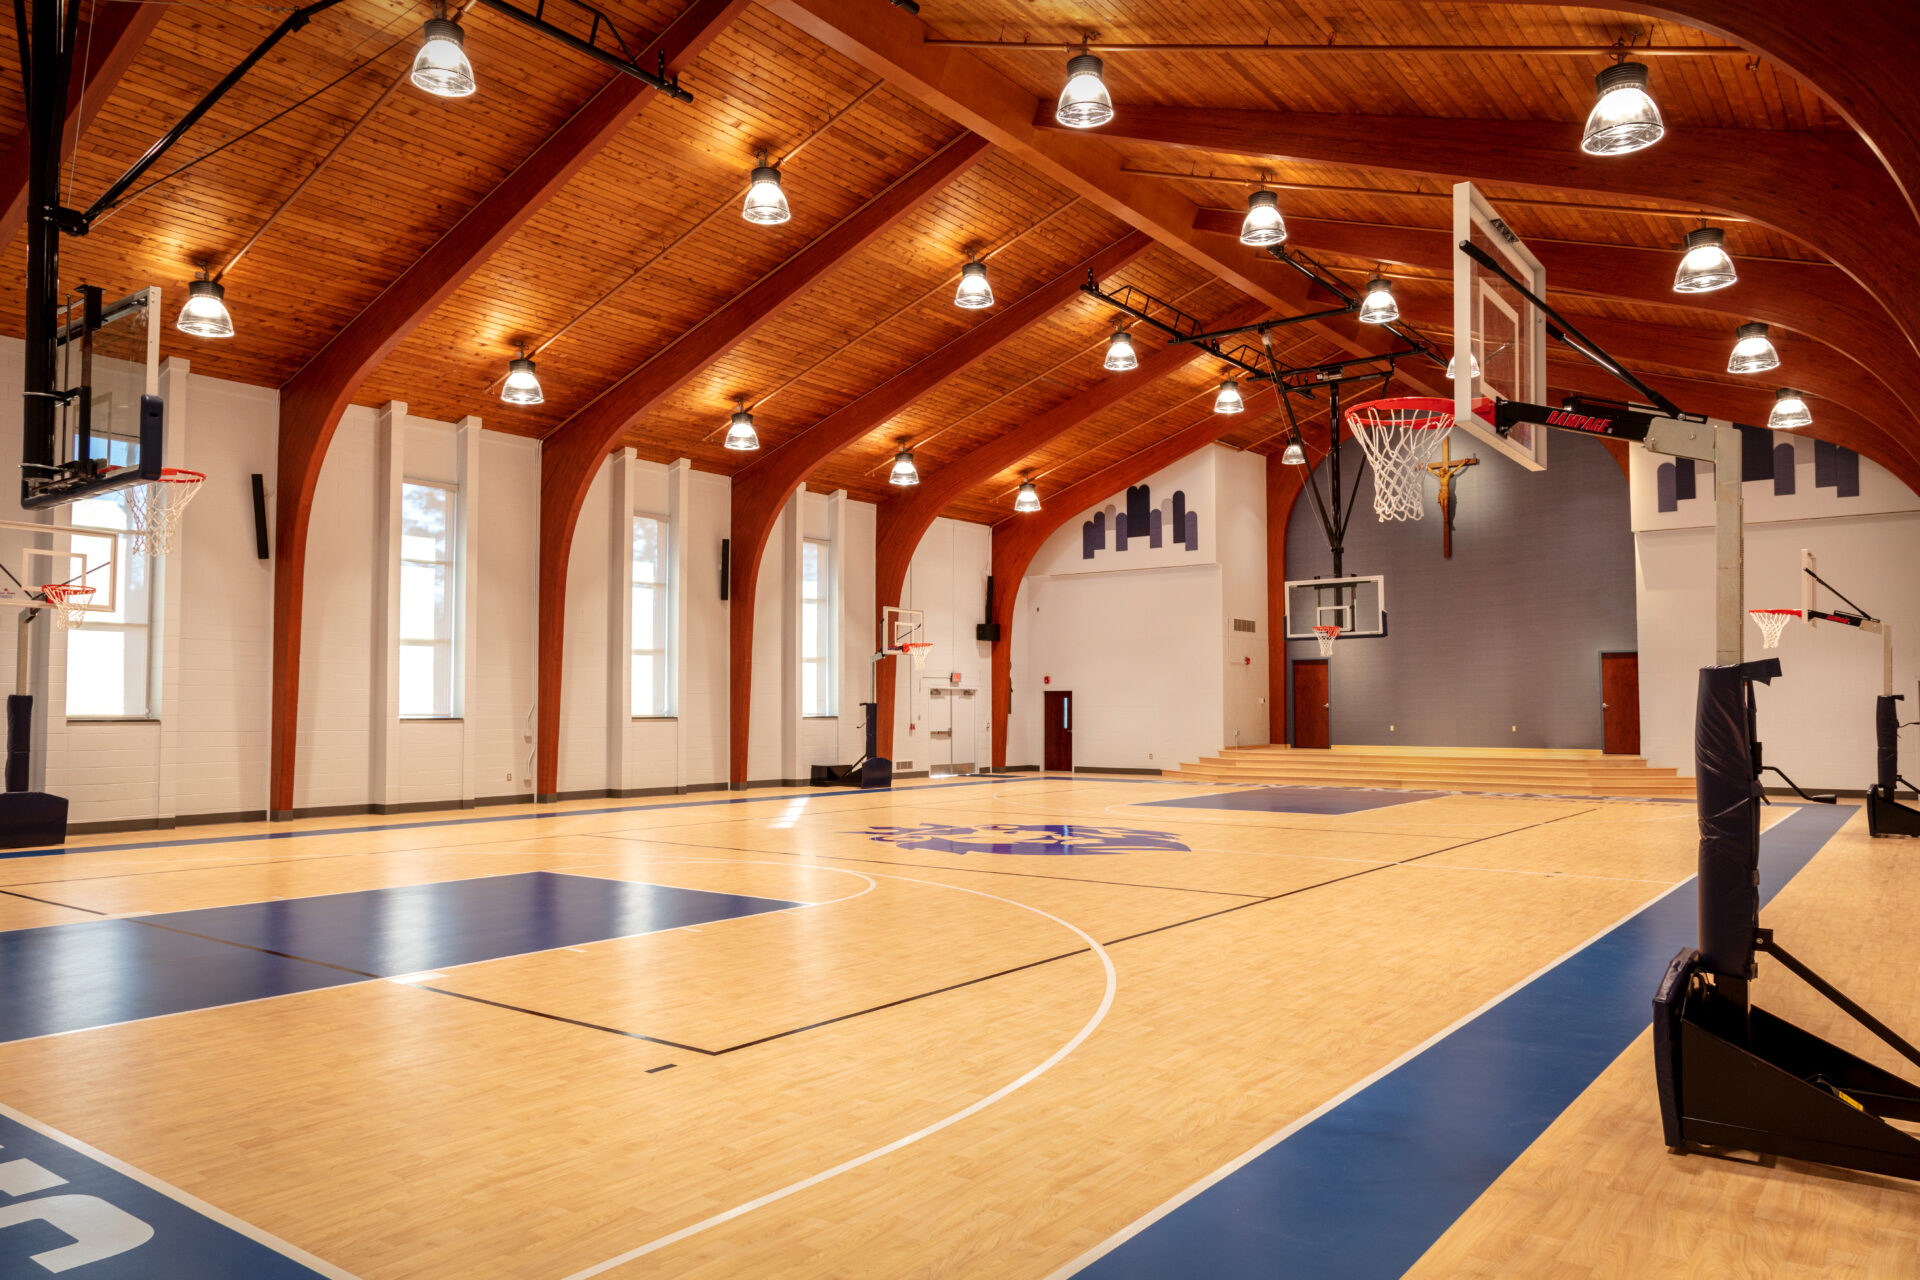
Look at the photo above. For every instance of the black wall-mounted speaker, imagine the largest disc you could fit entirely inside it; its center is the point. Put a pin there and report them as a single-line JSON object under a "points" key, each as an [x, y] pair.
{"points": [[260, 515], [988, 631], [726, 565]]}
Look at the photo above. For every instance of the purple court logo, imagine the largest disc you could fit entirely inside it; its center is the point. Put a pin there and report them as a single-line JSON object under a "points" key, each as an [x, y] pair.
{"points": [[1008, 837]]}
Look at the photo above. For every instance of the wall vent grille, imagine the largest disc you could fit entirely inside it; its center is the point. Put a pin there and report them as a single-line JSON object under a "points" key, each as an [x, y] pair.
{"points": [[1244, 624]]}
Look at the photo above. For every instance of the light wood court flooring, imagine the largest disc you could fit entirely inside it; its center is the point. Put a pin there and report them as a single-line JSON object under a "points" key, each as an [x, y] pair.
{"points": [[952, 1061]]}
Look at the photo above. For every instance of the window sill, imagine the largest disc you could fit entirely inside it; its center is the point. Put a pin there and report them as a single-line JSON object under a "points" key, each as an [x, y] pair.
{"points": [[431, 719], [641, 719], [112, 719], [835, 717]]}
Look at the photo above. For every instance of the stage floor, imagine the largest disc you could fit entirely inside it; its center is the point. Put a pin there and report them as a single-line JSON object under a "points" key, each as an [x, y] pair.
{"points": [[1019, 1026]]}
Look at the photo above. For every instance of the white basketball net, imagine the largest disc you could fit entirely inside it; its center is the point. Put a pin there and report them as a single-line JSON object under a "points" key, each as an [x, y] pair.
{"points": [[1399, 436], [68, 602], [919, 652], [1772, 622], [1326, 636], [156, 508]]}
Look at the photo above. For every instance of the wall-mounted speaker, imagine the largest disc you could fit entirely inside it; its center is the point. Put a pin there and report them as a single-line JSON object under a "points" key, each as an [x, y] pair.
{"points": [[260, 515], [989, 631], [726, 565]]}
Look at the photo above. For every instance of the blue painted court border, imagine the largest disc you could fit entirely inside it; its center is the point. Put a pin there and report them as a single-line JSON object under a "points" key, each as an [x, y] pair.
{"points": [[1363, 1190]]}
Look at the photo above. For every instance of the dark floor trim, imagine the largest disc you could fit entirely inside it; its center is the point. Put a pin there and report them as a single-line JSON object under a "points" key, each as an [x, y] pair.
{"points": [[1095, 768]]}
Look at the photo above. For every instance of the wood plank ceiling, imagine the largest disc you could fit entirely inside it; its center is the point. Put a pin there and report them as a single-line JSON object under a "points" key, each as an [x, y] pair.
{"points": [[646, 241]]}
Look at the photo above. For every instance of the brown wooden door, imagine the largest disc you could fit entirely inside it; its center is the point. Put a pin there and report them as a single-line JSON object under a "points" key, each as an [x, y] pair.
{"points": [[1059, 730], [1620, 703], [1310, 699]]}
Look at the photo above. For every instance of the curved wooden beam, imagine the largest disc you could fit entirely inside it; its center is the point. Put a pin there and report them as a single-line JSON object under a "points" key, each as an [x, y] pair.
{"points": [[571, 454], [313, 400], [1018, 538], [1859, 59], [1810, 299], [760, 491], [961, 86], [1802, 367], [117, 34], [1827, 190], [905, 518], [1831, 422]]}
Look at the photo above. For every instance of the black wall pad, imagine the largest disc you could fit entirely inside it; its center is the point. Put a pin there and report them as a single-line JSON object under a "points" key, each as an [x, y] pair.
{"points": [[1726, 769]]}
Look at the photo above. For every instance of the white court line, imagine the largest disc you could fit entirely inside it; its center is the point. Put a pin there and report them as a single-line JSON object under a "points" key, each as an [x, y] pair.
{"points": [[1127, 1233], [1079, 1037], [178, 1196]]}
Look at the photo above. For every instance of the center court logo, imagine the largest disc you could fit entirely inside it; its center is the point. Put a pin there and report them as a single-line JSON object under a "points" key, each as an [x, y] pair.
{"points": [[1007, 837]]}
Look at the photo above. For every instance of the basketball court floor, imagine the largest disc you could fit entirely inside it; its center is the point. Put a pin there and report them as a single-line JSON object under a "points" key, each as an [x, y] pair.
{"points": [[1021, 1025]]}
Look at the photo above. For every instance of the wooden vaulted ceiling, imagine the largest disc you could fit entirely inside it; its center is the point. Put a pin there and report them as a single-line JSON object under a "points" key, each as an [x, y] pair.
{"points": [[645, 242]]}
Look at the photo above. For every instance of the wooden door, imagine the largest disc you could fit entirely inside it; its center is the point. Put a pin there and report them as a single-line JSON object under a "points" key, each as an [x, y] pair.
{"points": [[1059, 731], [1310, 704], [1620, 703]]}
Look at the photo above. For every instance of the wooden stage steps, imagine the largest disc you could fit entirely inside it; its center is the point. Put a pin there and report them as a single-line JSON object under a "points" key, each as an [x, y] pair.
{"points": [[1531, 771]]}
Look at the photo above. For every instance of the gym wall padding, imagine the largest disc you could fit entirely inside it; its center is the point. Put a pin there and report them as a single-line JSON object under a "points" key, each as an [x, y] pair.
{"points": [[1499, 646]]}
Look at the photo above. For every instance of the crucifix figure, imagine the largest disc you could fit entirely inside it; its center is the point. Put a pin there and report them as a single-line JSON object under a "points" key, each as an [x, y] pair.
{"points": [[1445, 470]]}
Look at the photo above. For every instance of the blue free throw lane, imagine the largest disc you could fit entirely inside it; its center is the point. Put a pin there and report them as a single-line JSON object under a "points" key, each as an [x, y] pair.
{"points": [[1300, 800], [68, 977], [1361, 1192]]}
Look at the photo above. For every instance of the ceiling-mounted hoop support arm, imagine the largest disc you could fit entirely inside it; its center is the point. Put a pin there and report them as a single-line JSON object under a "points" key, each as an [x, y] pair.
{"points": [[1136, 303], [623, 62]]}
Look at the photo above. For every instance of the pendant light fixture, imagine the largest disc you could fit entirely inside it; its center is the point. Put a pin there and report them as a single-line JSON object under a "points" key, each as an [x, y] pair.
{"points": [[766, 202], [1706, 266], [1084, 102], [441, 67], [741, 437], [1228, 400], [1453, 364], [974, 291], [1378, 306], [1028, 499], [1293, 455], [205, 314], [904, 472], [1120, 353], [1752, 350], [1263, 224], [522, 385], [1625, 117], [1789, 411]]}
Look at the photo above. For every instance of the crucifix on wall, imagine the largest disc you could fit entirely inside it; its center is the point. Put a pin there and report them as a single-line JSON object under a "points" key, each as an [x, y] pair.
{"points": [[1445, 470]]}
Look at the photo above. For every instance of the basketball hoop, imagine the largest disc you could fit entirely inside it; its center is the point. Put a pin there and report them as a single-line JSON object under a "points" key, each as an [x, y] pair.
{"points": [[68, 600], [1772, 623], [1326, 636], [919, 651], [1398, 436], [156, 507]]}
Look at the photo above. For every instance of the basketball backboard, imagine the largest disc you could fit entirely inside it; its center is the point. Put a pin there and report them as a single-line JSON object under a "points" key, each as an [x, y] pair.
{"points": [[80, 555], [1358, 606], [1503, 336], [901, 627]]}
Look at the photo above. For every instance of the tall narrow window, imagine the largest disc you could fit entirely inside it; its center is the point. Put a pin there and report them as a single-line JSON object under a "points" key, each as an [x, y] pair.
{"points": [[651, 608], [816, 629], [107, 651], [429, 586]]}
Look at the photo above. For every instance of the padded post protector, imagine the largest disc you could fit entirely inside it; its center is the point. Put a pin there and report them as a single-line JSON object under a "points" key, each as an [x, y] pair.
{"points": [[1886, 732], [19, 739], [1728, 788]]}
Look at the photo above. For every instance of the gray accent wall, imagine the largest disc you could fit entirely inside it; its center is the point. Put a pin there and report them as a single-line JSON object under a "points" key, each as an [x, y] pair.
{"points": [[1499, 646]]}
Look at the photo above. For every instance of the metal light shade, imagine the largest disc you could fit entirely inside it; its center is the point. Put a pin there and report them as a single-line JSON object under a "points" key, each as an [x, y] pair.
{"points": [[1706, 266], [441, 67], [1028, 499], [1263, 224], [205, 314], [1120, 353], [1229, 401], [766, 202], [1752, 350], [904, 472], [1293, 455], [741, 436], [974, 291], [1789, 411], [1378, 307], [1453, 364], [1625, 118], [522, 386], [1084, 103]]}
